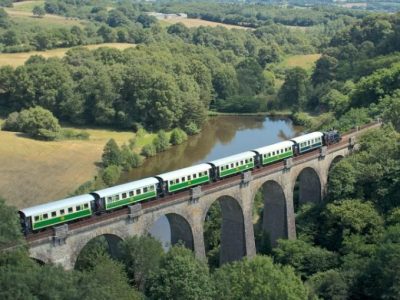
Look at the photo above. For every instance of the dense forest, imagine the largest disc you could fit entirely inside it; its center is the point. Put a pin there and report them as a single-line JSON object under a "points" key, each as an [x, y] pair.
{"points": [[347, 247]]}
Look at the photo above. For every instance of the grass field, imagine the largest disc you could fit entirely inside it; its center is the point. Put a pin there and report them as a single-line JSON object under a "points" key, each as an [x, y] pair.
{"points": [[198, 22], [34, 172], [306, 61], [18, 59]]}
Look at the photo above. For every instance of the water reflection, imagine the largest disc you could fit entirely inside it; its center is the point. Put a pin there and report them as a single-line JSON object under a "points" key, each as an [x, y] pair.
{"points": [[221, 136]]}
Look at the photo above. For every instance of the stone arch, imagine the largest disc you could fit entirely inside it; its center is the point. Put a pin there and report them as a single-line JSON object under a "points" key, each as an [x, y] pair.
{"points": [[334, 161], [233, 242], [309, 186], [112, 240], [274, 222], [180, 229]]}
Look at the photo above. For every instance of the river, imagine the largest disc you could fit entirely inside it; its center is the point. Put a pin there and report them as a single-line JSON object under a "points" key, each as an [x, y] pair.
{"points": [[221, 136]]}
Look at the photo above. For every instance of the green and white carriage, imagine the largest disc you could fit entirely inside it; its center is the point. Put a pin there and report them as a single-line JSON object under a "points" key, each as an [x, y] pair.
{"points": [[234, 164], [308, 141], [53, 213], [126, 194], [185, 178], [275, 152]]}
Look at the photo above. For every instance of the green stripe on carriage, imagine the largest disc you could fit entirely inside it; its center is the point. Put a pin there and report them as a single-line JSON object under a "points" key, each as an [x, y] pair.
{"points": [[310, 147], [182, 185], [62, 219], [130, 200], [277, 157], [235, 170]]}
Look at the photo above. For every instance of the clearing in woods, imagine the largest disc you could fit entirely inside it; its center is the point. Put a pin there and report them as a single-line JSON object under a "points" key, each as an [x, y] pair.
{"points": [[306, 61], [199, 22], [18, 59], [34, 172]]}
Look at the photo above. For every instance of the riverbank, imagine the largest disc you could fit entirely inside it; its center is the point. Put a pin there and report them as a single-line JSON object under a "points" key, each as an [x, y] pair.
{"points": [[272, 113]]}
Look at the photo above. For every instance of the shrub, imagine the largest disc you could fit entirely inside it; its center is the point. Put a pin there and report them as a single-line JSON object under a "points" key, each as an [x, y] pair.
{"points": [[149, 150], [111, 174], [191, 129], [11, 123], [161, 142], [178, 136]]}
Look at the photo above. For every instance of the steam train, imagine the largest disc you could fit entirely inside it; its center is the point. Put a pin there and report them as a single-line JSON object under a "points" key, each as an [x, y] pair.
{"points": [[42, 216]]}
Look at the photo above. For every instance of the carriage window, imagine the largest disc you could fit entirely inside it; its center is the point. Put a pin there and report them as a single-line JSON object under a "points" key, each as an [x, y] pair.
{"points": [[70, 210], [171, 182], [36, 218], [138, 192], [194, 176], [151, 188], [183, 179], [237, 164], [62, 211], [78, 208], [53, 214], [116, 197], [86, 205], [45, 216], [231, 165], [145, 190], [123, 195], [189, 177], [177, 180], [130, 193], [109, 199]]}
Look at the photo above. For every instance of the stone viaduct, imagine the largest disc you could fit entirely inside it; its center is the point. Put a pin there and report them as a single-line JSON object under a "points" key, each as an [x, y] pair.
{"points": [[186, 211]]}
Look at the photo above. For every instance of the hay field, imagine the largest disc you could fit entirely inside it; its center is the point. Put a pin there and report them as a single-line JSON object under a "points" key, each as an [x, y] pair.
{"points": [[198, 22], [34, 172], [306, 61], [18, 59]]}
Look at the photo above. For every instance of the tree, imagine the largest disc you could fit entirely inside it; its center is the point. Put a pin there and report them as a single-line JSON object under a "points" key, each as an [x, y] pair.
{"points": [[304, 258], [129, 158], [161, 141], [178, 136], [90, 255], [38, 11], [250, 77], [325, 69], [294, 90], [391, 109], [37, 122], [329, 285], [111, 154], [257, 278], [10, 228], [180, 276], [111, 174], [141, 256], [4, 19]]}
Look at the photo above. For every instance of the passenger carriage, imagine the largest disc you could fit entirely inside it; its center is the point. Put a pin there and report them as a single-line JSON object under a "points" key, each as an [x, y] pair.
{"points": [[233, 164], [308, 142], [53, 213], [184, 178], [126, 194], [275, 152]]}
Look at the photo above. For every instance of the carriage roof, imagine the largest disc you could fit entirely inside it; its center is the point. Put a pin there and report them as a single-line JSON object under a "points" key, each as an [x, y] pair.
{"points": [[232, 158], [274, 147], [306, 137], [130, 186], [184, 172]]}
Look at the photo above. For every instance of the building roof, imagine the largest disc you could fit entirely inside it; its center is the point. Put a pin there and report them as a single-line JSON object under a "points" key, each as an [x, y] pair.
{"points": [[274, 147], [56, 205], [306, 137], [122, 188], [184, 172], [232, 158]]}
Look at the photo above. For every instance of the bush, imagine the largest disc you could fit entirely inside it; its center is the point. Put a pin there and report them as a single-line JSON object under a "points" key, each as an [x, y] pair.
{"points": [[130, 159], [149, 150], [161, 142], [111, 174], [70, 134], [36, 122], [191, 129], [111, 154], [178, 136]]}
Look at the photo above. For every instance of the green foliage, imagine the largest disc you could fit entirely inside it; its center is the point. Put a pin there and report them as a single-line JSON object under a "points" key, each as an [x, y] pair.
{"points": [[178, 136], [111, 174], [38, 11], [70, 134], [149, 150], [141, 257], [161, 141], [130, 159], [180, 276], [92, 253], [295, 89], [350, 217], [304, 258], [212, 234], [37, 122], [191, 128], [257, 278], [10, 228], [111, 154], [329, 285], [391, 109]]}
